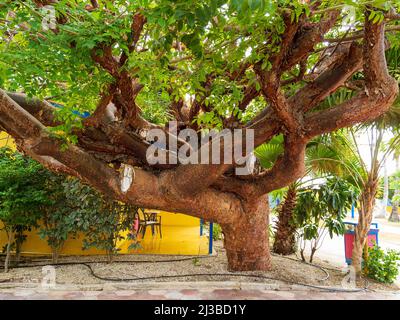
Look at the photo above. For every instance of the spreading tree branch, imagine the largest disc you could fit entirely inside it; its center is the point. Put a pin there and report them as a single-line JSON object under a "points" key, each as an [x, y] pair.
{"points": [[380, 91]]}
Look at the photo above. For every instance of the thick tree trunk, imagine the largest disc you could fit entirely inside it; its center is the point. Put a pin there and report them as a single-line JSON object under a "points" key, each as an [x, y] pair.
{"points": [[246, 240], [364, 222], [285, 236]]}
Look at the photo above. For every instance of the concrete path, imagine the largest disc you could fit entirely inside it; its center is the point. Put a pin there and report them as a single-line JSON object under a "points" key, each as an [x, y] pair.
{"points": [[191, 291]]}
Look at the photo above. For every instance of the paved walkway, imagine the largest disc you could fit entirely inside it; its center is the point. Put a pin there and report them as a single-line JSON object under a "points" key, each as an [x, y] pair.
{"points": [[192, 291]]}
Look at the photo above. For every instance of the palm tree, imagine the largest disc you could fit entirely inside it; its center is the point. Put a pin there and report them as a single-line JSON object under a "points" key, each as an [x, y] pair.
{"points": [[369, 174], [285, 229], [326, 156], [367, 177]]}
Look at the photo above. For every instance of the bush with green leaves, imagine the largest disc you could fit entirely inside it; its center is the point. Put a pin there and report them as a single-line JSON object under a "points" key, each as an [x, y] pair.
{"points": [[23, 196], [108, 225], [29, 193], [321, 211], [217, 232], [68, 214], [79, 208], [382, 266]]}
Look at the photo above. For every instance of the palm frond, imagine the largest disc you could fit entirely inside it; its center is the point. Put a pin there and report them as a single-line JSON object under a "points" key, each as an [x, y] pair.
{"points": [[269, 152]]}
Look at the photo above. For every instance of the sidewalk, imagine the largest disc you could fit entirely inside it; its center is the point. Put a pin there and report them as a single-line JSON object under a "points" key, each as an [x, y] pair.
{"points": [[194, 291]]}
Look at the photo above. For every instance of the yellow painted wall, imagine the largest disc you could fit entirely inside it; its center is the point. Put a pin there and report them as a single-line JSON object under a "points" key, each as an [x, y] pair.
{"points": [[180, 235], [6, 140]]}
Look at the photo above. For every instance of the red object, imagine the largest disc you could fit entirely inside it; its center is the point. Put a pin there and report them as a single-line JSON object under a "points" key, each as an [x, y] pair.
{"points": [[136, 224], [349, 243]]}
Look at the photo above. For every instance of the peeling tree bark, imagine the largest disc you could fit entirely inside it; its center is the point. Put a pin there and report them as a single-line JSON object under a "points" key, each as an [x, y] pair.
{"points": [[246, 240]]}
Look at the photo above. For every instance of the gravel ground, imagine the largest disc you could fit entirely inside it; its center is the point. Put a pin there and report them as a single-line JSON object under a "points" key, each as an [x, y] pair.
{"points": [[284, 271]]}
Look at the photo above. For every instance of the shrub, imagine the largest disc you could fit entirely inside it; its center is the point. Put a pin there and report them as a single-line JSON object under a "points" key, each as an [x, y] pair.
{"points": [[382, 266], [321, 211], [76, 208], [22, 197], [68, 213], [107, 221], [217, 232]]}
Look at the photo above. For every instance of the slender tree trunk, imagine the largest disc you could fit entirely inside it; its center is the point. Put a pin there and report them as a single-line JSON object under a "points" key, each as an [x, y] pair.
{"points": [[110, 256], [303, 257], [54, 255], [313, 250], [367, 202], [18, 245], [385, 199], [246, 241], [10, 235], [55, 252], [285, 235], [19, 239], [394, 216]]}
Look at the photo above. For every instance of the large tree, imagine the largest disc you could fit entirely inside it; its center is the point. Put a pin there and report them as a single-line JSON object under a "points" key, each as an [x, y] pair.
{"points": [[262, 65]]}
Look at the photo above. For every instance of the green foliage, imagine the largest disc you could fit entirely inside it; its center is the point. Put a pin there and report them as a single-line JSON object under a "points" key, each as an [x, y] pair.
{"points": [[269, 152], [394, 184], [107, 224], [22, 197], [79, 208], [333, 154], [217, 232], [326, 155], [216, 36], [69, 212], [29, 193], [22, 190], [324, 205], [382, 266], [321, 210]]}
